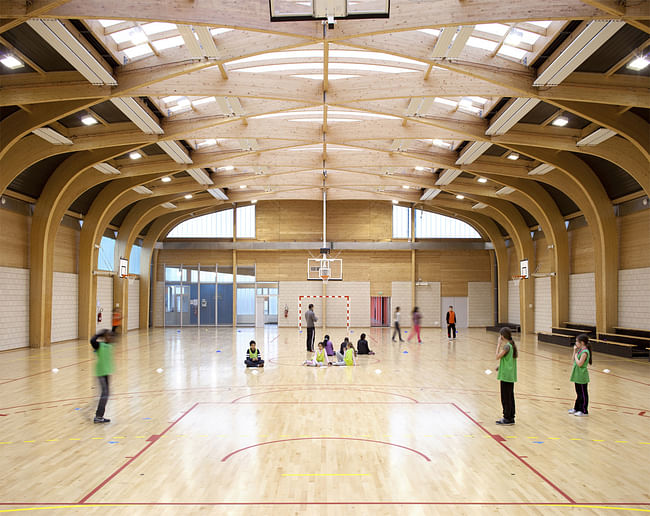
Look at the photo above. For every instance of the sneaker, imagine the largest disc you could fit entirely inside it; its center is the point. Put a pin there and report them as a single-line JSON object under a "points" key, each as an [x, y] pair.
{"points": [[572, 411], [101, 420], [580, 414], [504, 421]]}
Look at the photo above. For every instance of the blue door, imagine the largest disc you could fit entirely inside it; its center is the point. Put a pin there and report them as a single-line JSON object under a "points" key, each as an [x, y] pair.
{"points": [[224, 303], [208, 303]]}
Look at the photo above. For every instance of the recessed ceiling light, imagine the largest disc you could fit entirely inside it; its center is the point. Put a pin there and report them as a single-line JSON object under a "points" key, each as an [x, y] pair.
{"points": [[441, 143], [166, 179], [560, 121], [88, 120], [513, 156], [459, 196], [242, 186], [254, 201], [11, 62], [135, 155], [229, 167], [420, 168], [395, 202], [406, 187], [482, 180], [638, 64], [188, 196]]}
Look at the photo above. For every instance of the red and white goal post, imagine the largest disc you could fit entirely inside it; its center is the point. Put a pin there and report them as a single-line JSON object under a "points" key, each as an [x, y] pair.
{"points": [[347, 309]]}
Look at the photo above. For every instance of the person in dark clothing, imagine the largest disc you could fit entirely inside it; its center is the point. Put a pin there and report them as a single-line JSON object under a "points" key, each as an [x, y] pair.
{"points": [[253, 356], [362, 346], [103, 348], [310, 319], [344, 345]]}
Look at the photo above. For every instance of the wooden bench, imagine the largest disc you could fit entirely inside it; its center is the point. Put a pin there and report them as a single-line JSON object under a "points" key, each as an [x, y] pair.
{"points": [[621, 349], [635, 332], [515, 328], [567, 331], [556, 338], [627, 339], [579, 326]]}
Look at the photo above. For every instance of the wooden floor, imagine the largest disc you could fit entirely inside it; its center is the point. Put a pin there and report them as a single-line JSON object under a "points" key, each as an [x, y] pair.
{"points": [[409, 431]]}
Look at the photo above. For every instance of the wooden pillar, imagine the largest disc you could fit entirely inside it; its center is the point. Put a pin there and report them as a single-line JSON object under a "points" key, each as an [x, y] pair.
{"points": [[412, 240]]}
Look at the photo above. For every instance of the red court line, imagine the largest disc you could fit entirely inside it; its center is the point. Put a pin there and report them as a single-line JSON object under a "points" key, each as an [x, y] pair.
{"points": [[501, 440], [324, 439], [150, 443], [328, 388], [210, 504], [43, 372]]}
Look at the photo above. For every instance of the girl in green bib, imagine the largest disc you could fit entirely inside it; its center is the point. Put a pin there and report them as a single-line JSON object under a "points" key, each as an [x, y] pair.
{"points": [[580, 374], [320, 358], [507, 355]]}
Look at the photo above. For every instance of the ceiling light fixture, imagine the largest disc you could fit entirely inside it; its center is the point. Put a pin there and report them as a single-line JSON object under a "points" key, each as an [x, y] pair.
{"points": [[52, 136], [406, 187], [479, 206], [638, 64], [560, 121], [460, 197], [168, 205], [254, 201], [175, 151], [506, 190], [430, 194], [166, 179], [242, 186], [188, 196], [598, 136], [227, 168], [135, 155], [395, 201], [138, 114], [88, 120], [447, 176], [482, 180], [471, 152], [11, 62], [107, 169], [594, 35], [514, 111], [540, 170], [513, 156], [218, 193], [142, 190], [200, 176]]}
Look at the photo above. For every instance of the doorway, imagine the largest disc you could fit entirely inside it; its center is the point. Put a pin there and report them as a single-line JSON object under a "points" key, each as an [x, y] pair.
{"points": [[379, 311]]}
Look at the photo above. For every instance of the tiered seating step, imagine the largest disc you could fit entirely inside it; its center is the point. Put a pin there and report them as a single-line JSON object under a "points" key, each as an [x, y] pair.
{"points": [[567, 331], [635, 332], [513, 327], [621, 349], [556, 338], [585, 328], [627, 339]]}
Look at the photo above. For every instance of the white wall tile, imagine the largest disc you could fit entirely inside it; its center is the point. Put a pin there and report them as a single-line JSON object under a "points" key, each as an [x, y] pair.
{"points": [[480, 303], [401, 296], [65, 306], [582, 299], [105, 302], [543, 305], [634, 298], [427, 299], [134, 304], [14, 308], [513, 302]]}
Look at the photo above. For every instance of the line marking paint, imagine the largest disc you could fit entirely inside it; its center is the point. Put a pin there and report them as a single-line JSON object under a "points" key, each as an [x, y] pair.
{"points": [[325, 474]]}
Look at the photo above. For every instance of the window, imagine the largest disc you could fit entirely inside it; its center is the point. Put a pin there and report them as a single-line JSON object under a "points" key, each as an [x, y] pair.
{"points": [[401, 222], [214, 225], [432, 225], [106, 255], [134, 260], [246, 222]]}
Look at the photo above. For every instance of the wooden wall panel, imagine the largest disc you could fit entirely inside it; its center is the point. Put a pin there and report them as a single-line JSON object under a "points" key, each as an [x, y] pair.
{"points": [[66, 250], [14, 239], [513, 262], [544, 256], [634, 240], [581, 248], [457, 268]]}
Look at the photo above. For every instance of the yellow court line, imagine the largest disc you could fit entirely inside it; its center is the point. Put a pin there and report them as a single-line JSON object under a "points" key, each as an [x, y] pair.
{"points": [[56, 507], [325, 474]]}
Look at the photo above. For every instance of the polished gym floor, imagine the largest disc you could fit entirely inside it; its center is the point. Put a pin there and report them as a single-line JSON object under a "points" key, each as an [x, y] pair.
{"points": [[410, 430]]}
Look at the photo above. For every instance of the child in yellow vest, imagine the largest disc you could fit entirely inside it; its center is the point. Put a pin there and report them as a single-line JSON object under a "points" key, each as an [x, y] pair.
{"points": [[580, 374], [348, 359], [253, 356], [320, 358]]}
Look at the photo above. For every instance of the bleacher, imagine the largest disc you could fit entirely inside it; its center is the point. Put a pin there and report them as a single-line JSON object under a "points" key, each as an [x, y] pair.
{"points": [[514, 328], [625, 342]]}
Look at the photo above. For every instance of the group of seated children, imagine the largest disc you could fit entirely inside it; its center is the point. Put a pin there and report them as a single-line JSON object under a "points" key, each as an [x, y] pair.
{"points": [[345, 356]]}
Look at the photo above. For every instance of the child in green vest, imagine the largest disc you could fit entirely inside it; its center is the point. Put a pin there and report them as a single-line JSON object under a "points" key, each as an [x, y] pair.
{"points": [[348, 359], [507, 356], [253, 356], [101, 343], [320, 358], [580, 374]]}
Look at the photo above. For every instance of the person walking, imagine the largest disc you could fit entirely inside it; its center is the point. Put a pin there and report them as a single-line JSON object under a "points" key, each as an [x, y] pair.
{"points": [[103, 348], [396, 329], [451, 322], [310, 319], [417, 318]]}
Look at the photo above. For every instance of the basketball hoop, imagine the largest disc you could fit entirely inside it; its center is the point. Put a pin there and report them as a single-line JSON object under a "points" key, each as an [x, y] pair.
{"points": [[518, 277], [131, 278], [324, 273]]}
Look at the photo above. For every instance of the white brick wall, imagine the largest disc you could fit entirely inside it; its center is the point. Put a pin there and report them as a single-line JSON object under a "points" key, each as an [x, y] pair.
{"points": [[359, 292], [427, 299], [65, 306], [401, 296], [159, 304], [288, 295], [513, 302], [480, 303], [543, 305], [134, 304], [14, 308], [105, 301], [634, 298], [582, 298]]}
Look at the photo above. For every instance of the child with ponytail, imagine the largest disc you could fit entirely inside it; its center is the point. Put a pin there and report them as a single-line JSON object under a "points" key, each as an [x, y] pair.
{"points": [[580, 374], [507, 355]]}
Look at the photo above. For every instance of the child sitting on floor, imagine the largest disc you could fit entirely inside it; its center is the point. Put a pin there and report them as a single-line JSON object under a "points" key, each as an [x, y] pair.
{"points": [[362, 346], [253, 356], [348, 359], [320, 358], [329, 347]]}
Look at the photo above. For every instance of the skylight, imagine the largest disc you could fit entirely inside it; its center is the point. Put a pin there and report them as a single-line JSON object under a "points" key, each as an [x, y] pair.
{"points": [[122, 36], [138, 51], [156, 27], [431, 32], [204, 100], [332, 66], [498, 29], [216, 32], [509, 51], [483, 44], [331, 76], [163, 44], [109, 23], [543, 24]]}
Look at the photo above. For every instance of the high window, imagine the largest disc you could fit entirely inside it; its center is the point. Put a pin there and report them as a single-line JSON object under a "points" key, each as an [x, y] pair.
{"points": [[213, 225], [105, 257], [246, 221], [433, 225], [401, 222]]}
